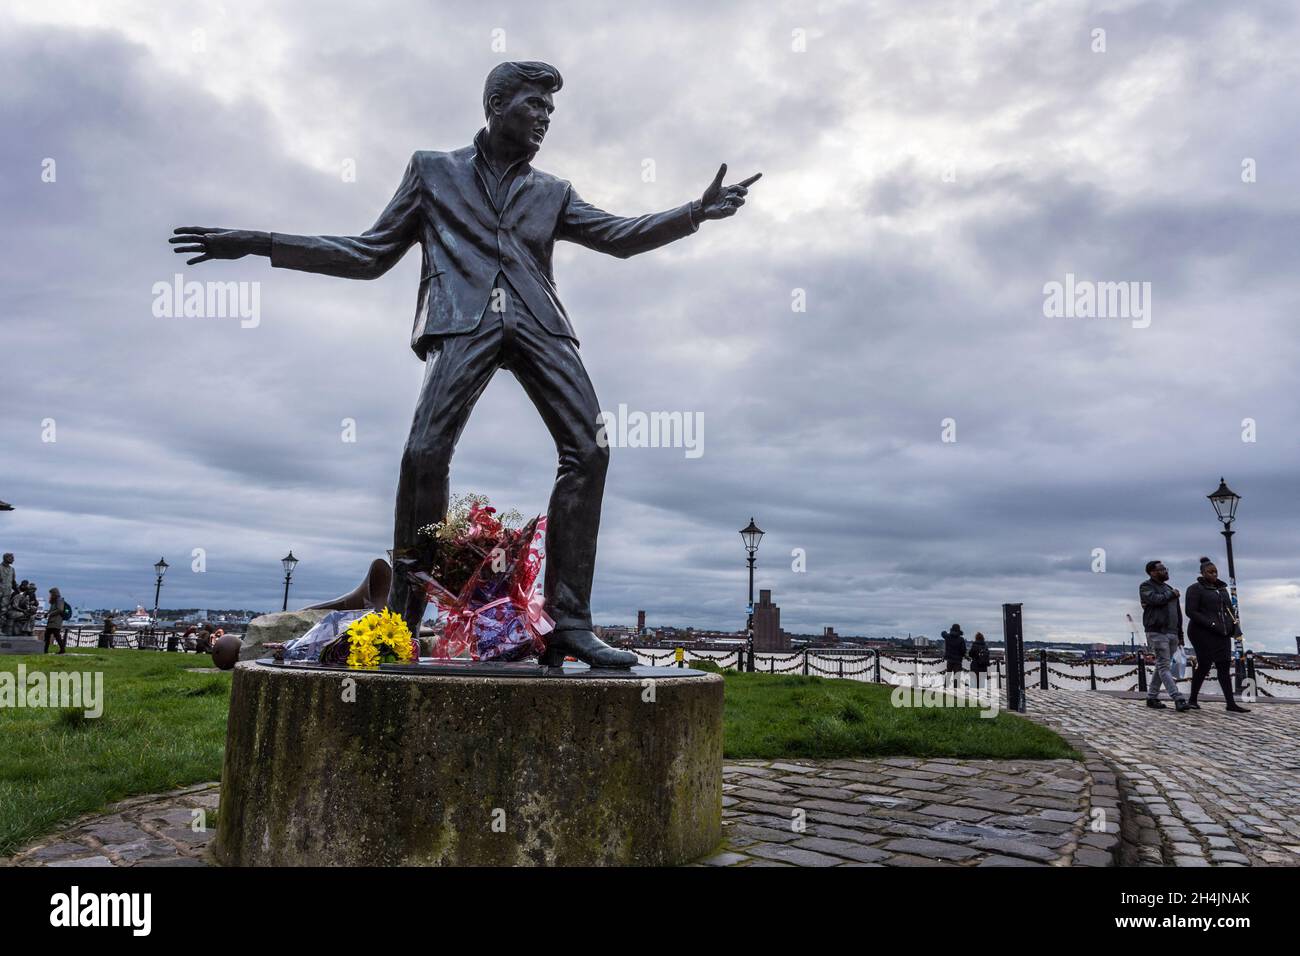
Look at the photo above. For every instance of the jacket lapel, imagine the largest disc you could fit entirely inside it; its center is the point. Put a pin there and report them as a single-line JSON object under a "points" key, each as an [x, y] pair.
{"points": [[522, 178]]}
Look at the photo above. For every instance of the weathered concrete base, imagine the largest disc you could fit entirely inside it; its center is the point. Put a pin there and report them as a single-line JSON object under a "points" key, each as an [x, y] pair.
{"points": [[326, 768], [22, 645]]}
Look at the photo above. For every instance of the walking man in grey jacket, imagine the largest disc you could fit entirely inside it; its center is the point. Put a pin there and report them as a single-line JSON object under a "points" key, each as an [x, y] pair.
{"points": [[1162, 619]]}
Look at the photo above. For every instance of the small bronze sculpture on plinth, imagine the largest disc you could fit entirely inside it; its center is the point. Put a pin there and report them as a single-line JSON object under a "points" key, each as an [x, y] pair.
{"points": [[487, 222]]}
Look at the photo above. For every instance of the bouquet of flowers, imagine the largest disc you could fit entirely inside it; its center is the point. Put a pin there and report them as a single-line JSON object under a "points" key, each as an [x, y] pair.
{"points": [[380, 637], [481, 568]]}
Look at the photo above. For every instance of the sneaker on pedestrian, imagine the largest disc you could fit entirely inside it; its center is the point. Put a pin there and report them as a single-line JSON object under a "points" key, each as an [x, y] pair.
{"points": [[1156, 704]]}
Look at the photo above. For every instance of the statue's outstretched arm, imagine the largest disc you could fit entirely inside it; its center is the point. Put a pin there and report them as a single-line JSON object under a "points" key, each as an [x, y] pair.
{"points": [[622, 236], [366, 256]]}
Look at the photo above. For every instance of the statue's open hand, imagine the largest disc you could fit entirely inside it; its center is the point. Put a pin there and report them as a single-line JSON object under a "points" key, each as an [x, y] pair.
{"points": [[213, 243], [718, 201]]}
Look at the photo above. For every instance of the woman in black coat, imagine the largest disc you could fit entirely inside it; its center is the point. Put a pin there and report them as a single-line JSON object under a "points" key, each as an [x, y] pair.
{"points": [[954, 648], [1211, 626], [979, 657]]}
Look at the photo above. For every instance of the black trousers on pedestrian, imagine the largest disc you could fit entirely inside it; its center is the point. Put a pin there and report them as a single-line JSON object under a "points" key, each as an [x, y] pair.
{"points": [[552, 374], [1211, 650], [55, 634]]}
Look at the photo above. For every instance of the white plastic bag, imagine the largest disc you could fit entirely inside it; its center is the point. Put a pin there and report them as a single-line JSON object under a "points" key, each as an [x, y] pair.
{"points": [[1178, 663], [308, 647]]}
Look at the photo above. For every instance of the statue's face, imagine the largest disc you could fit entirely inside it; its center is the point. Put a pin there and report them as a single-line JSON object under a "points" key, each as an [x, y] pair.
{"points": [[525, 117]]}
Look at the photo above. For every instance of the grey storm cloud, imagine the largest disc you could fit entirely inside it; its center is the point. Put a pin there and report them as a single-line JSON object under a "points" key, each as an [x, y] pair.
{"points": [[928, 168]]}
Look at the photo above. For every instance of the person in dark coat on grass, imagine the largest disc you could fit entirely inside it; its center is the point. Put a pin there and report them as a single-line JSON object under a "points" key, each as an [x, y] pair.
{"points": [[954, 648], [1212, 624], [979, 657]]}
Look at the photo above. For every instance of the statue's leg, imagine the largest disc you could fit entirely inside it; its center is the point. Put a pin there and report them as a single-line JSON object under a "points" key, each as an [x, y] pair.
{"points": [[551, 372], [454, 378]]}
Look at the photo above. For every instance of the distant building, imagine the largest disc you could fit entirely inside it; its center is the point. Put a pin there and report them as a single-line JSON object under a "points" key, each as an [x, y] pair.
{"points": [[640, 622], [768, 636]]}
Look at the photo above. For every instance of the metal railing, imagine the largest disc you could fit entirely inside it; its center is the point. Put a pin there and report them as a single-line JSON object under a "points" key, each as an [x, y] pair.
{"points": [[881, 668], [141, 639]]}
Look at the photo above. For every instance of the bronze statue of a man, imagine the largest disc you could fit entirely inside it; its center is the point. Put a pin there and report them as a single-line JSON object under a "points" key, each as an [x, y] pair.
{"points": [[487, 222]]}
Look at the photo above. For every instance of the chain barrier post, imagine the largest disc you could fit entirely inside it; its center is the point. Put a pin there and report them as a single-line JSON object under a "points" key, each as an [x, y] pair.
{"points": [[1015, 654], [805, 662], [877, 665], [1042, 669], [1142, 673], [1092, 675]]}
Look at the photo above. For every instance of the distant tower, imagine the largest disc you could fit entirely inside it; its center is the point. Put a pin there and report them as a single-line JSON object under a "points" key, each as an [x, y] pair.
{"points": [[640, 622], [768, 636]]}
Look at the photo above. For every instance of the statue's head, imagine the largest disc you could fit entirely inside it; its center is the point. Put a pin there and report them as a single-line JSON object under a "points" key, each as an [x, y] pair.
{"points": [[8, 558], [517, 102]]}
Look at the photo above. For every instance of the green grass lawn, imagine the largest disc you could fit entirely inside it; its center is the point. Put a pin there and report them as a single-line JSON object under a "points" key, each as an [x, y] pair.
{"points": [[164, 727], [788, 715]]}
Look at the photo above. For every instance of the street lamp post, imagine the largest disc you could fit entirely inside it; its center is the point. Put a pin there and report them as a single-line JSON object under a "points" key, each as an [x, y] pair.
{"points": [[159, 569], [1225, 500], [751, 535], [288, 562]]}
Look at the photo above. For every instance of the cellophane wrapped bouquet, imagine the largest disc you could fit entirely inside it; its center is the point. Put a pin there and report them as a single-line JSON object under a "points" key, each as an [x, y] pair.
{"points": [[380, 637], [481, 569]]}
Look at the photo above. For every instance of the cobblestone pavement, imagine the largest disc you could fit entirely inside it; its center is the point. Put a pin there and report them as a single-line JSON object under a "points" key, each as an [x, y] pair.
{"points": [[910, 811], [895, 812], [155, 830], [1207, 788]]}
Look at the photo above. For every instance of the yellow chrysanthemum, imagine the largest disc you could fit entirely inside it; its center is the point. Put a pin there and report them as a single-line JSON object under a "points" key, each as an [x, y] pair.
{"points": [[375, 637]]}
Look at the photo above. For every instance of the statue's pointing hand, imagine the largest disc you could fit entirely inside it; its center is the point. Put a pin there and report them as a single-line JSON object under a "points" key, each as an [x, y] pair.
{"points": [[719, 201], [212, 243]]}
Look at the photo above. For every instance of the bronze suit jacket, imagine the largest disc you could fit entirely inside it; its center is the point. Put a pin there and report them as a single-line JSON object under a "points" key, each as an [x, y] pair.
{"points": [[444, 204]]}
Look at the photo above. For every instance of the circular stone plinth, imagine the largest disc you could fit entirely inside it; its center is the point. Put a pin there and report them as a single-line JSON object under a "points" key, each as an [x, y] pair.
{"points": [[382, 768]]}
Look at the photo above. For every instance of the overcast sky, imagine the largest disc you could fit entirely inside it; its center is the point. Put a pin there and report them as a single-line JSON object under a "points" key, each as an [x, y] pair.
{"points": [[928, 169]]}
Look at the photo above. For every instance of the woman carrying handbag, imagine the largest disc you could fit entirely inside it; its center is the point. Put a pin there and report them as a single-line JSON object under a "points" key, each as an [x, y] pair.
{"points": [[1211, 626]]}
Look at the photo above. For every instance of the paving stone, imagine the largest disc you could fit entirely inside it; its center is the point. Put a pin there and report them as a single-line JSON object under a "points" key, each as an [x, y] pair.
{"points": [[726, 859], [842, 848], [139, 850], [178, 861], [1023, 848], [911, 783], [951, 769], [765, 834], [996, 860], [792, 855], [1228, 856], [115, 833], [58, 851], [766, 796], [931, 849], [969, 814], [1090, 856], [83, 861], [907, 859]]}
